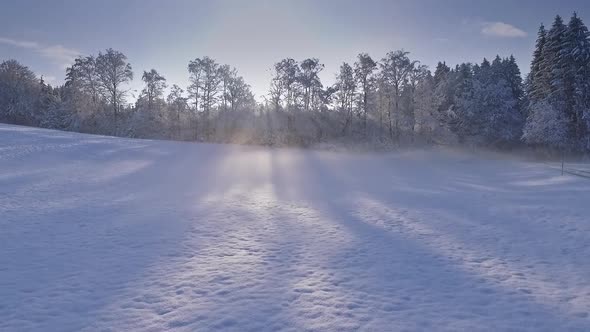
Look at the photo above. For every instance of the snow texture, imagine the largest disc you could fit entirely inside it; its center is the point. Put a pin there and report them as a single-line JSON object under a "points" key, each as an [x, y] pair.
{"points": [[111, 234]]}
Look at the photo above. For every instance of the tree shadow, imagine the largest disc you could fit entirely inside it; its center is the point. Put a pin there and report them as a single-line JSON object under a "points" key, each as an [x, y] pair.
{"points": [[464, 297], [66, 258]]}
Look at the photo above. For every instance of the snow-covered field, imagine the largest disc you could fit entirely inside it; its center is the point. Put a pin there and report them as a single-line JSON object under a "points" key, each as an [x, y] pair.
{"points": [[110, 234]]}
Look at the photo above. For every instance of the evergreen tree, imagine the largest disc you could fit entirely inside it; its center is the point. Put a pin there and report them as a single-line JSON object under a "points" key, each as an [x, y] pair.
{"points": [[511, 73], [441, 72], [573, 65], [537, 90], [487, 108], [552, 73], [19, 90], [546, 126]]}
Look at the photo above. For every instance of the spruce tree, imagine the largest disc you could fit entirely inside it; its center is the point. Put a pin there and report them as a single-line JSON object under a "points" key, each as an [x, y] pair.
{"points": [[536, 90], [573, 65], [551, 73]]}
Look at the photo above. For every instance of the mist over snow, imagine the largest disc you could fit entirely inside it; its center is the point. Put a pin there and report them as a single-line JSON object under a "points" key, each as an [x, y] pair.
{"points": [[228, 165]]}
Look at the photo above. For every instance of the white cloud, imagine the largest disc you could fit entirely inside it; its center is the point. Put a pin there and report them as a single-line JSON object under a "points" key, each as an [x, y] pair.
{"points": [[501, 29], [19, 43], [62, 55], [50, 79], [59, 54]]}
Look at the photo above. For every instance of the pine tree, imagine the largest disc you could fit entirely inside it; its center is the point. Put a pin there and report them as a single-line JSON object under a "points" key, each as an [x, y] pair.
{"points": [[552, 74], [573, 66], [441, 72], [511, 73], [537, 91], [487, 108]]}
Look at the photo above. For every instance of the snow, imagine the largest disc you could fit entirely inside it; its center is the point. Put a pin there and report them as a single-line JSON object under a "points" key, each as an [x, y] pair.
{"points": [[111, 234]]}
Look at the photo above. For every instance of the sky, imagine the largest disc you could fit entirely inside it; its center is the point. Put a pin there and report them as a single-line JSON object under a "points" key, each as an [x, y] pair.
{"points": [[252, 35]]}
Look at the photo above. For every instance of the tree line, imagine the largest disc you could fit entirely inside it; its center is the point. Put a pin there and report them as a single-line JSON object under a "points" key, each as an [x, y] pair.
{"points": [[394, 100]]}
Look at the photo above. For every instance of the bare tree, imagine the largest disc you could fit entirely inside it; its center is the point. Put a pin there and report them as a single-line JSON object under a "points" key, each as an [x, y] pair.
{"points": [[238, 93], [154, 86], [286, 84], [227, 74], [195, 70], [84, 75], [363, 70], [113, 70], [206, 77], [395, 68], [346, 89], [177, 105], [310, 81], [287, 72]]}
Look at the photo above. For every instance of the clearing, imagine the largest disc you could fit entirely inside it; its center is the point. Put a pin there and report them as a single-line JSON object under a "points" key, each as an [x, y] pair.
{"points": [[111, 234]]}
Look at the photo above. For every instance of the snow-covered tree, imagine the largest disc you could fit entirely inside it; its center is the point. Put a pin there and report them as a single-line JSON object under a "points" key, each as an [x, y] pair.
{"points": [[560, 76], [206, 78], [154, 87], [574, 65], [426, 107], [487, 111], [552, 72], [19, 90], [538, 88], [363, 71], [113, 70], [310, 81], [396, 68], [546, 126], [345, 88]]}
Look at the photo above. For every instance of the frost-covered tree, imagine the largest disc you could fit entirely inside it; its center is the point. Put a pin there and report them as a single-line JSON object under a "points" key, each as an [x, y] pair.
{"points": [[112, 71], [560, 76], [287, 72], [238, 94], [363, 71], [51, 111], [574, 66], [487, 111], [83, 76], [395, 101], [426, 107], [546, 126], [455, 92], [177, 108], [195, 70], [310, 81], [396, 68], [84, 97], [538, 87], [154, 87], [149, 118], [206, 78], [19, 90], [286, 93], [552, 73], [345, 88]]}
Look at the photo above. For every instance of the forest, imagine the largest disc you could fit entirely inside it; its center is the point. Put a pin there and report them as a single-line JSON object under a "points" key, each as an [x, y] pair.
{"points": [[382, 102]]}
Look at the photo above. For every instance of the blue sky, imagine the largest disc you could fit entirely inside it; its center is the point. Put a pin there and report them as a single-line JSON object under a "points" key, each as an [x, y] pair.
{"points": [[252, 35]]}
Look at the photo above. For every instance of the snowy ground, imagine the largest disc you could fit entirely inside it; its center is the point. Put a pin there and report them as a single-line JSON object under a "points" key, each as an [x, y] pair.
{"points": [[108, 234]]}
